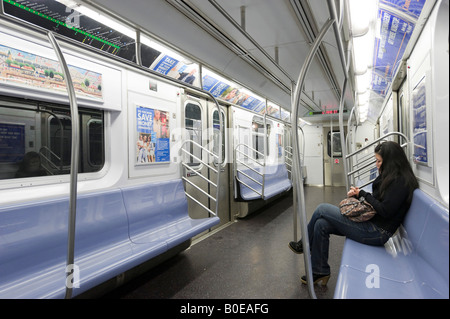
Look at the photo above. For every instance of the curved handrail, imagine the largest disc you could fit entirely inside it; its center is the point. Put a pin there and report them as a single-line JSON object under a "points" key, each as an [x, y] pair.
{"points": [[74, 158], [378, 140], [366, 162], [299, 191], [202, 148], [236, 170]]}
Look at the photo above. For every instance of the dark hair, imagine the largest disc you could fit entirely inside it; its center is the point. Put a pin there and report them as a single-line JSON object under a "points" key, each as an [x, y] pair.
{"points": [[395, 164]]}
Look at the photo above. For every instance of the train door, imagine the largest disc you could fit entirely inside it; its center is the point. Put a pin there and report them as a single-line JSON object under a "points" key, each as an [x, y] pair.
{"points": [[224, 196], [195, 127], [333, 161]]}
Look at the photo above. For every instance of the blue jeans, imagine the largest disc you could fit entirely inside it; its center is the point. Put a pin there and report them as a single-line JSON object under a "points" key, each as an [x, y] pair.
{"points": [[327, 220]]}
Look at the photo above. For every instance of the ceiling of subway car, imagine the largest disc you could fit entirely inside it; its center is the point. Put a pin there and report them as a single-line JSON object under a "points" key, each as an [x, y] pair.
{"points": [[258, 44], [261, 45]]}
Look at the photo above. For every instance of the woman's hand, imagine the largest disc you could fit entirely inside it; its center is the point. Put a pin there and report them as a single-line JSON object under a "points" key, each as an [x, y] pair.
{"points": [[354, 191]]}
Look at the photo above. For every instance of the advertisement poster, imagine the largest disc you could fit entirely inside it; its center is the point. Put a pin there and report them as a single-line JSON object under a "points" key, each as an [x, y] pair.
{"points": [[153, 136], [234, 95], [23, 68], [394, 36], [420, 123], [165, 65], [412, 8], [177, 69], [12, 142]]}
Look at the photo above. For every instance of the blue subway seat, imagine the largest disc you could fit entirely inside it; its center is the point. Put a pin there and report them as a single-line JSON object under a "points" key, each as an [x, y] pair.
{"points": [[276, 181], [419, 270], [34, 243], [158, 213], [116, 230]]}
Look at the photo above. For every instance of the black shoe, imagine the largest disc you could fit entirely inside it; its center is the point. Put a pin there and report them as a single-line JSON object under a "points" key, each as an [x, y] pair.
{"points": [[296, 247], [316, 278]]}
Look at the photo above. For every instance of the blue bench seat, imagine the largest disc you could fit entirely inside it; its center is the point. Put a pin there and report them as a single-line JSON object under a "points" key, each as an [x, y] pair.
{"points": [[116, 230], [159, 213], [418, 269], [276, 181]]}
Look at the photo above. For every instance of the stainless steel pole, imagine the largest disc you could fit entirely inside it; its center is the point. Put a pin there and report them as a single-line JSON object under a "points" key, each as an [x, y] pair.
{"points": [[74, 162], [298, 180]]}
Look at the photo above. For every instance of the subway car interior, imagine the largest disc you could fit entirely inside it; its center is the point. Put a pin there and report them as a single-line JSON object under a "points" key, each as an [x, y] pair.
{"points": [[174, 149]]}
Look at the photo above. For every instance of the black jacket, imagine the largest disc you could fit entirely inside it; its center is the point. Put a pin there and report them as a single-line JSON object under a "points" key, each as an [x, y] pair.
{"points": [[392, 208]]}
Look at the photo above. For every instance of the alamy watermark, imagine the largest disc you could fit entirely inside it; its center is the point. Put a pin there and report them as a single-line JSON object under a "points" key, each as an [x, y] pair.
{"points": [[373, 279], [72, 276]]}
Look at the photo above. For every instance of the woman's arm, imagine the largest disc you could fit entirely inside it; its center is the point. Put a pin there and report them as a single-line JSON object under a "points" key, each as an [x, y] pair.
{"points": [[394, 197]]}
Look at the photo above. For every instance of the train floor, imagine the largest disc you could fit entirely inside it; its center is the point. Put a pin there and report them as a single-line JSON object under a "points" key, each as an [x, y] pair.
{"points": [[248, 259]]}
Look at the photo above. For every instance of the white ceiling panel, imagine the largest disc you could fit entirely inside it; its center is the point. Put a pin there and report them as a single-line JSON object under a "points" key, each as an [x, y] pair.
{"points": [[273, 25]]}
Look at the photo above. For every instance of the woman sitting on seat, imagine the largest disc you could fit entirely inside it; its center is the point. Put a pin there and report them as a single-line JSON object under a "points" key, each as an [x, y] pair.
{"points": [[391, 198]]}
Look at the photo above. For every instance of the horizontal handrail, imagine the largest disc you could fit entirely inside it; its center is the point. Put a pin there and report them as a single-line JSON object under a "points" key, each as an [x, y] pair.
{"points": [[199, 174], [198, 188], [367, 162], [361, 168], [238, 161], [201, 205], [377, 141], [248, 176], [200, 160], [248, 166], [201, 147], [245, 184], [248, 147]]}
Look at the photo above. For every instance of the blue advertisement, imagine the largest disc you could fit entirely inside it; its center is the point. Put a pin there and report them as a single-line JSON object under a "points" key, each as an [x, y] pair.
{"points": [[144, 119], [232, 94], [394, 36], [380, 84], [12, 142], [250, 103], [410, 7], [165, 65], [219, 89], [420, 123], [209, 82], [153, 136]]}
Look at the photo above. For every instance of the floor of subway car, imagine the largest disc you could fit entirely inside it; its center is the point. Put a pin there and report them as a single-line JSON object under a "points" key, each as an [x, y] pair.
{"points": [[248, 259]]}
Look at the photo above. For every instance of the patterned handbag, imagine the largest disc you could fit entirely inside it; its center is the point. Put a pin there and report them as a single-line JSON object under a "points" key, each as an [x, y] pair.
{"points": [[358, 210]]}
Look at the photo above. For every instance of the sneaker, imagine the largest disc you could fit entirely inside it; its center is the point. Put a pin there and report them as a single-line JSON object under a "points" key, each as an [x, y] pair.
{"points": [[296, 247], [316, 278]]}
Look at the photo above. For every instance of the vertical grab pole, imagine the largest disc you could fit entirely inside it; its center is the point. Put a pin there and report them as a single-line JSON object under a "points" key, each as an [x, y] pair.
{"points": [[345, 68], [294, 187], [341, 129], [219, 159], [265, 153], [74, 162], [300, 193]]}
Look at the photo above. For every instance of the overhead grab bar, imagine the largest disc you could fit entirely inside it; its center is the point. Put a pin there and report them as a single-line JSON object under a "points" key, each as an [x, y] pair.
{"points": [[74, 162], [298, 184]]}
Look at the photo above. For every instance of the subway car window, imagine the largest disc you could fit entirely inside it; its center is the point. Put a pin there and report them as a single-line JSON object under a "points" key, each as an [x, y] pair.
{"points": [[216, 125], [35, 139], [193, 122], [95, 142], [337, 148], [258, 137]]}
